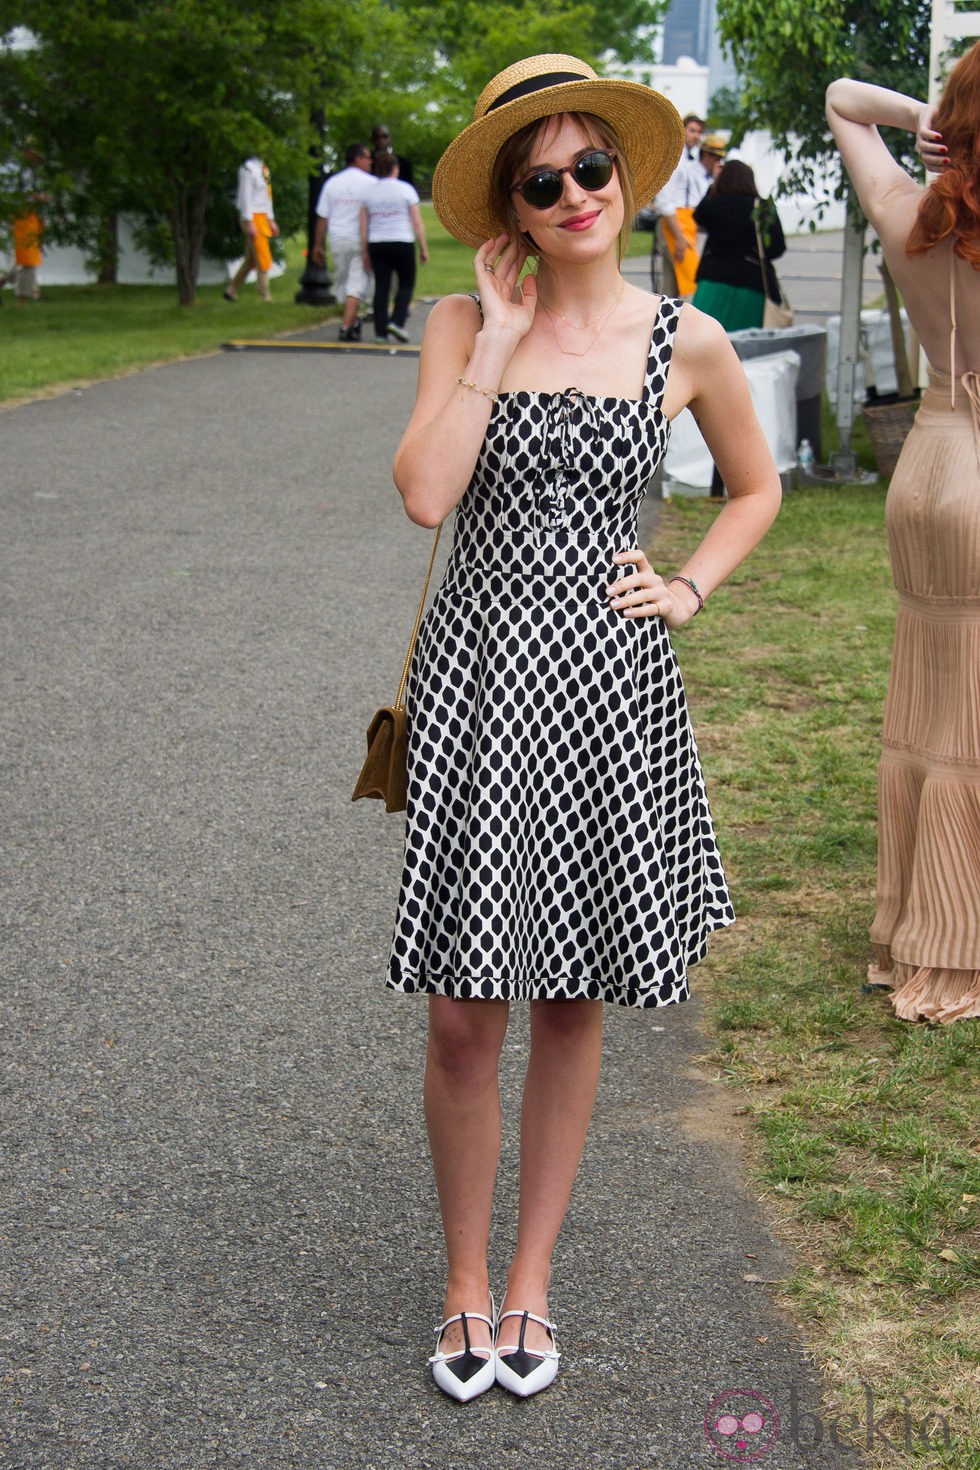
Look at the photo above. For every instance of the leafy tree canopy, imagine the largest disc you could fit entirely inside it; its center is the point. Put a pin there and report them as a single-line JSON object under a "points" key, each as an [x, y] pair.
{"points": [[423, 71], [147, 107], [787, 55]]}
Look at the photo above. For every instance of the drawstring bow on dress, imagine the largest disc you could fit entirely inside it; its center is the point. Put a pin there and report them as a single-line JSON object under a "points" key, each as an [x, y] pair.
{"points": [[565, 410]]}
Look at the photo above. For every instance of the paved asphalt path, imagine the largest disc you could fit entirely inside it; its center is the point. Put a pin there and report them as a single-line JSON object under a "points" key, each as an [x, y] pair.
{"points": [[219, 1244]]}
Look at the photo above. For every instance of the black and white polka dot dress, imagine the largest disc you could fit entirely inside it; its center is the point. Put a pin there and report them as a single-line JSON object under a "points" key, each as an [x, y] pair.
{"points": [[558, 843]]}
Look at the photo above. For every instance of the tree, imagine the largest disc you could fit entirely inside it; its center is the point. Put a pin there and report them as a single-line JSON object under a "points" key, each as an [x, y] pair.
{"points": [[147, 107], [787, 56], [421, 67]]}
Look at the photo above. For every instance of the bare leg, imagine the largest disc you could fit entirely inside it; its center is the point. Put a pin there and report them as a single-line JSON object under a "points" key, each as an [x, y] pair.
{"points": [[462, 1110], [250, 263], [559, 1095]]}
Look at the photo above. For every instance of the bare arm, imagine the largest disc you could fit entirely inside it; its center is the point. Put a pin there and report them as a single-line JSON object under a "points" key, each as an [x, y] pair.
{"points": [[679, 242], [855, 111], [707, 377], [319, 239], [419, 228], [665, 204], [435, 460], [364, 239]]}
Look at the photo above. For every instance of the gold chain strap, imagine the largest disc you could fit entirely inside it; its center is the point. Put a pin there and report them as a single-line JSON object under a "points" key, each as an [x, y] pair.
{"points": [[418, 620]]}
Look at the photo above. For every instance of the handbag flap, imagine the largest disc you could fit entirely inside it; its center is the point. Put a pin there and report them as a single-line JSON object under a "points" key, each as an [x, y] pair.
{"points": [[383, 774]]}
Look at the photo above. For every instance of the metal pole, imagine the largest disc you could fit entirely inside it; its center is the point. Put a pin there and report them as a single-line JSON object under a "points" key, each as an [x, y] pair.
{"points": [[315, 282], [844, 461]]}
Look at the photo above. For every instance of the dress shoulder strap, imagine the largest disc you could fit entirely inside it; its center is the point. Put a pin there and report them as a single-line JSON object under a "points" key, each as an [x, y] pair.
{"points": [[661, 348]]}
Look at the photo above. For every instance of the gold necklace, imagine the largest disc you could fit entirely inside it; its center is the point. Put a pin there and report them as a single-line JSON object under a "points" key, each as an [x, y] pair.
{"points": [[583, 326]]}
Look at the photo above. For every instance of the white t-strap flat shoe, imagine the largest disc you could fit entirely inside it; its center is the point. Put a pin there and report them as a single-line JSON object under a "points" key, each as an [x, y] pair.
{"points": [[467, 1372], [524, 1371]]}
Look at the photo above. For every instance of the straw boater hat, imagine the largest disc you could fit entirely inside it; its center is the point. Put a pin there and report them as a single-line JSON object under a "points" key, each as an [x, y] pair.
{"points": [[715, 143], [647, 124]]}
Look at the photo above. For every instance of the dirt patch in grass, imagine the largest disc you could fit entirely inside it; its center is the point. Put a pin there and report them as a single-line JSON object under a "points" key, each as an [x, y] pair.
{"points": [[716, 1116]]}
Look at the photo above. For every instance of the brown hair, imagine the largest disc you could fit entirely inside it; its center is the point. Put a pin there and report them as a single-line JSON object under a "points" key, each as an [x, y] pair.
{"points": [[385, 165], [735, 177], [516, 151], [950, 208]]}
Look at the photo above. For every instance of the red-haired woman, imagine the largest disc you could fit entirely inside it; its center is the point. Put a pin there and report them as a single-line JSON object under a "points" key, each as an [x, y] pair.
{"points": [[926, 931]]}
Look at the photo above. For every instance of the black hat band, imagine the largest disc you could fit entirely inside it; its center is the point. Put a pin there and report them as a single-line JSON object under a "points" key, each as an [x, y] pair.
{"points": [[536, 84]]}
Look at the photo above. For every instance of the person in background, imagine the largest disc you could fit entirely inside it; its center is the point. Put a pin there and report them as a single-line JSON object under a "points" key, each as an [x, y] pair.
{"points": [[391, 223], [732, 281], [381, 145], [926, 930], [675, 238], [712, 155], [258, 224], [339, 220], [27, 229]]}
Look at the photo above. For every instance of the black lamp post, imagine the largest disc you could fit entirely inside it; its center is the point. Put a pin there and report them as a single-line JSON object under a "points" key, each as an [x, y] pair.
{"points": [[315, 282]]}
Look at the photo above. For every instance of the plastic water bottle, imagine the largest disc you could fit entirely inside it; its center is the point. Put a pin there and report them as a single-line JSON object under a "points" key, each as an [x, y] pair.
{"points": [[804, 457]]}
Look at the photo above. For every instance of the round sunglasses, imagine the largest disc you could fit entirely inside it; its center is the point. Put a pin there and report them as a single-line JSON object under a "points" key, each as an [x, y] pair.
{"points": [[544, 188]]}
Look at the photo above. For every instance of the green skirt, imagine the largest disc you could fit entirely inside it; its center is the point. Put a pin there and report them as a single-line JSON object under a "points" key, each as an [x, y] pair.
{"points": [[734, 306]]}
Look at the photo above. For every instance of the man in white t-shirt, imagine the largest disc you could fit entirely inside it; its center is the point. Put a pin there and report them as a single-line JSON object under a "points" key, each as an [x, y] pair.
{"points": [[339, 214]]}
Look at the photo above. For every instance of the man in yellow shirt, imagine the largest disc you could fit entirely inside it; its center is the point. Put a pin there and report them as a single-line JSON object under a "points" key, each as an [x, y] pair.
{"points": [[28, 229]]}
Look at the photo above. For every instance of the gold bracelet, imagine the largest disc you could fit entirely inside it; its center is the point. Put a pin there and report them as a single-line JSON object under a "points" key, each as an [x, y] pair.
{"points": [[487, 392]]}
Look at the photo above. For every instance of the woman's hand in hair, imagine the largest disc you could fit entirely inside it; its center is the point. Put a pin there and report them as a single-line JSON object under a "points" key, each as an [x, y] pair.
{"points": [[929, 144], [505, 304]]}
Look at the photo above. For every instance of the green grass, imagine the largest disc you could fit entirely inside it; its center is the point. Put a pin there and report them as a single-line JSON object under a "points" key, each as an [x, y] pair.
{"points": [[75, 334], [865, 1127]]}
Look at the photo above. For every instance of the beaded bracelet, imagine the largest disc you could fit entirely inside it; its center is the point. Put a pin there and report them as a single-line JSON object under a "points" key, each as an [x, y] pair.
{"points": [[487, 392], [694, 588]]}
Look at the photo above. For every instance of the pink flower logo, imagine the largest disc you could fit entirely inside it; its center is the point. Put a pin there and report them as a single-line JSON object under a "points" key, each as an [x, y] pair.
{"points": [[741, 1424]]}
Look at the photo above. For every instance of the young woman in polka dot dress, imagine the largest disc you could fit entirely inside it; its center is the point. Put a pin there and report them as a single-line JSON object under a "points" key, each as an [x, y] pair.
{"points": [[559, 846]]}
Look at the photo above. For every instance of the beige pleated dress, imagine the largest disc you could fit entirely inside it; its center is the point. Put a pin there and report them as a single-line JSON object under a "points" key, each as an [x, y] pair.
{"points": [[926, 930]]}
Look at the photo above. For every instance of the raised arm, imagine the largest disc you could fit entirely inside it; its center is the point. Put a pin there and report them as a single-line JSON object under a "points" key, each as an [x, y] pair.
{"points": [[435, 460], [855, 111]]}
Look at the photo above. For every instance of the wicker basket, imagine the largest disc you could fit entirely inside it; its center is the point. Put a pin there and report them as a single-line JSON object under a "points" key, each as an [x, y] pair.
{"points": [[888, 427]]}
